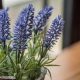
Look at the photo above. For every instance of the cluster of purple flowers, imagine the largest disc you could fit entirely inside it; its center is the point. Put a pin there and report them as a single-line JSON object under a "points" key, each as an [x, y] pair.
{"points": [[54, 32], [4, 25], [41, 19], [27, 23], [22, 30]]}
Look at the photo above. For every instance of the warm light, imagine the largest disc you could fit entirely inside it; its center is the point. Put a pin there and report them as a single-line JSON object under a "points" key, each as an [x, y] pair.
{"points": [[7, 3]]}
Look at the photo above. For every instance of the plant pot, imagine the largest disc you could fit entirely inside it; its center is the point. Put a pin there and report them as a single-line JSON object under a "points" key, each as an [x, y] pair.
{"points": [[7, 78], [43, 73], [42, 76]]}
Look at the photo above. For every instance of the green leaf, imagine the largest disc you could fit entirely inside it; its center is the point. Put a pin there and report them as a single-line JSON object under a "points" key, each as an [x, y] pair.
{"points": [[12, 62], [49, 73], [51, 65]]}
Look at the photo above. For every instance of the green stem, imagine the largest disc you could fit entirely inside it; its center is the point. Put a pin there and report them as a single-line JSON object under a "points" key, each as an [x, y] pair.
{"points": [[21, 57], [18, 61], [18, 56]]}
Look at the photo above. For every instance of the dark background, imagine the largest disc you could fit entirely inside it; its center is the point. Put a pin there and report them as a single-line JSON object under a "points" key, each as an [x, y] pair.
{"points": [[72, 22], [0, 4]]}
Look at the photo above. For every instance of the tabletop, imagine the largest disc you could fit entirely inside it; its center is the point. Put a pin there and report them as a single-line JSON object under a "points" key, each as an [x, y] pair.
{"points": [[69, 61]]}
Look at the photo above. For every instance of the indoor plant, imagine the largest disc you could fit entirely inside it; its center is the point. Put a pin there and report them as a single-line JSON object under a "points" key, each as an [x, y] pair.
{"points": [[24, 55]]}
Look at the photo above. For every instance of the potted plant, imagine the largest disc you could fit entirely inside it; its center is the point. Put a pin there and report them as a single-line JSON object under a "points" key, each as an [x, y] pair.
{"points": [[24, 54]]}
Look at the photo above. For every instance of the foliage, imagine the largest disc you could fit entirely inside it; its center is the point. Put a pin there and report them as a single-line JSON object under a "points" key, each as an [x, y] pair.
{"points": [[26, 52]]}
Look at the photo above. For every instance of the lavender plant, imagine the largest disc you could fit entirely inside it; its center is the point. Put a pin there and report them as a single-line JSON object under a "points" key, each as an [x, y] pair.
{"points": [[29, 51], [4, 37], [4, 27], [41, 19], [23, 28], [54, 32]]}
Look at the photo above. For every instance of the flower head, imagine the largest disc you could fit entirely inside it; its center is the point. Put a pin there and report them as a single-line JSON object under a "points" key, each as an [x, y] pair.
{"points": [[41, 19], [23, 28], [54, 32], [4, 25]]}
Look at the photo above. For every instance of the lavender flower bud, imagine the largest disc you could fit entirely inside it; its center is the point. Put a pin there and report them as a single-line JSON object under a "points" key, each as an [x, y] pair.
{"points": [[23, 26], [4, 25], [54, 32], [41, 19]]}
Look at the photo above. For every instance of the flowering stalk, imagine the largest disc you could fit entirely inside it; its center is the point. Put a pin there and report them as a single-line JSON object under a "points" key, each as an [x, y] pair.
{"points": [[4, 26], [23, 28], [22, 32], [54, 32], [41, 19]]}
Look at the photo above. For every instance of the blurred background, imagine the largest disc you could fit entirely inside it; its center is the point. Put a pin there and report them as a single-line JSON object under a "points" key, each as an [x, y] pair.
{"points": [[69, 58]]}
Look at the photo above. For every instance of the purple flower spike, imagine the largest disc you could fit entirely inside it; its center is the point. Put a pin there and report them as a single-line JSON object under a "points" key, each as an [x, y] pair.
{"points": [[54, 32], [4, 25], [23, 28], [41, 19]]}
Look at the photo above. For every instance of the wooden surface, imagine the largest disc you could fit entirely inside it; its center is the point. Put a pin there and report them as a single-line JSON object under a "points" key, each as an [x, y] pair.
{"points": [[70, 64]]}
